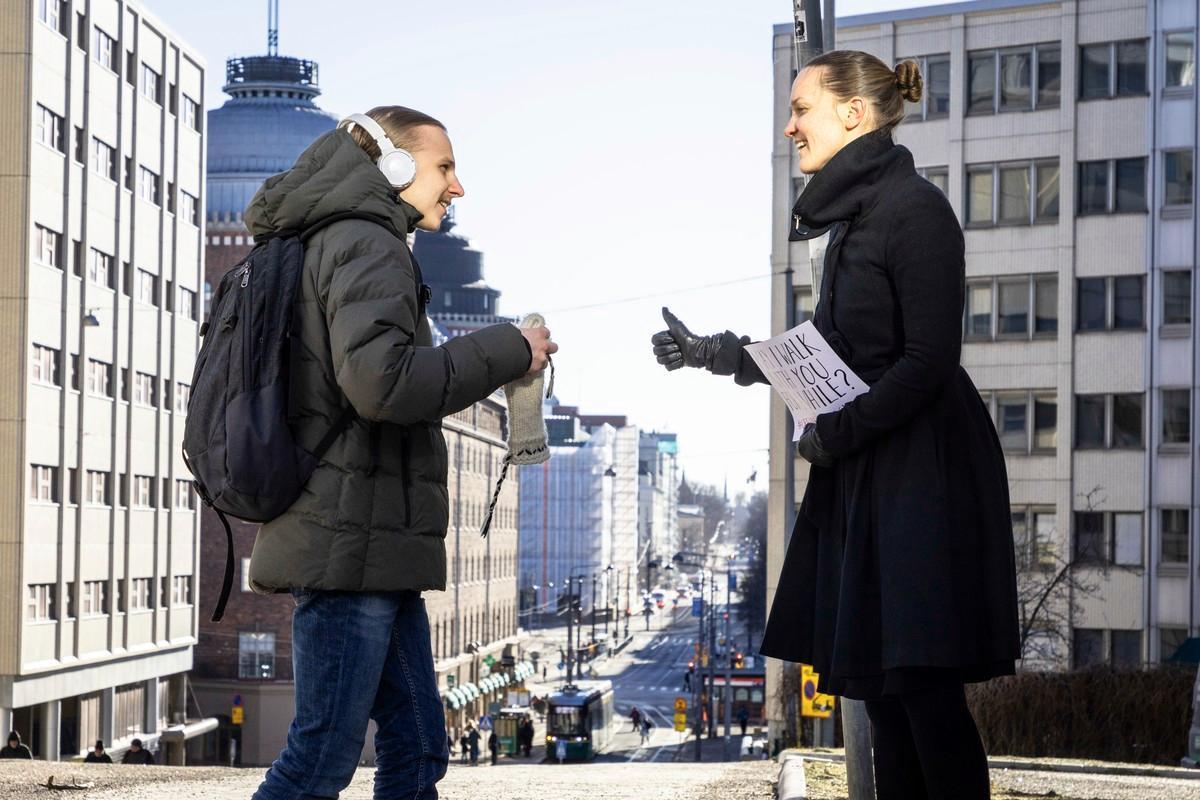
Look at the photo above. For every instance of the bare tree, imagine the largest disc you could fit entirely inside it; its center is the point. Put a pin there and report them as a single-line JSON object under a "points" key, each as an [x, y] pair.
{"points": [[1051, 588]]}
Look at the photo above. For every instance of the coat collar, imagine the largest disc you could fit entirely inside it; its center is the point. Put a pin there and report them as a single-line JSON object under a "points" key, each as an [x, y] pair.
{"points": [[849, 185]]}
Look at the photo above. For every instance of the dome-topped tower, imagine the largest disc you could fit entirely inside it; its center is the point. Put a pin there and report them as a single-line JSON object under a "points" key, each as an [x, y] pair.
{"points": [[462, 300], [270, 118]]}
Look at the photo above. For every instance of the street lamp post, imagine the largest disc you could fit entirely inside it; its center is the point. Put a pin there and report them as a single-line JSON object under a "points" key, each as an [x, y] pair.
{"points": [[627, 614], [608, 573], [593, 607], [729, 657]]}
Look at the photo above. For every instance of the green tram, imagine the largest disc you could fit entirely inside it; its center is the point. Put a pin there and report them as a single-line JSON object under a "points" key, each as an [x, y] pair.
{"points": [[580, 717]]}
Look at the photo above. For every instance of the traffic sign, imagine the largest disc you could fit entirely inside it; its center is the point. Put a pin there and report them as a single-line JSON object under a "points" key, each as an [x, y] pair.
{"points": [[680, 704], [485, 723], [238, 716], [681, 722], [697, 607], [812, 702]]}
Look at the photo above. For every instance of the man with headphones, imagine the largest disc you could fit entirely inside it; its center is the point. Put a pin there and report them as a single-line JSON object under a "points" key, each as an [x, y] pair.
{"points": [[366, 537]]}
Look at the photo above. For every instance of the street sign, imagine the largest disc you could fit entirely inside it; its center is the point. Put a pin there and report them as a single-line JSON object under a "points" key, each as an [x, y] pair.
{"points": [[733, 581], [681, 722], [238, 716], [697, 607], [680, 704], [451, 680], [812, 702], [489, 660], [485, 723]]}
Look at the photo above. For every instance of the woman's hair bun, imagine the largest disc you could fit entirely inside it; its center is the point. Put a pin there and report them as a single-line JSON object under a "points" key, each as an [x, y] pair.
{"points": [[908, 80]]}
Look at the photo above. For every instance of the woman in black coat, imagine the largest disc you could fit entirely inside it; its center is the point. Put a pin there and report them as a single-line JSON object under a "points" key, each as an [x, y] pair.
{"points": [[898, 585]]}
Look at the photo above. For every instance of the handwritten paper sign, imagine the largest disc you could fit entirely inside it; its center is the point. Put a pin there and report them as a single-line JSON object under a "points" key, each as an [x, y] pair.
{"points": [[807, 373]]}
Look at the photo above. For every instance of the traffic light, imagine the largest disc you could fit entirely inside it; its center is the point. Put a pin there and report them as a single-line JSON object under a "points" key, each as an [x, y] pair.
{"points": [[739, 660], [691, 667]]}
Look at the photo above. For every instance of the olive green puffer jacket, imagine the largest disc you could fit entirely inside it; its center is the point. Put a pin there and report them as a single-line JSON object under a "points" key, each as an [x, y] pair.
{"points": [[373, 515]]}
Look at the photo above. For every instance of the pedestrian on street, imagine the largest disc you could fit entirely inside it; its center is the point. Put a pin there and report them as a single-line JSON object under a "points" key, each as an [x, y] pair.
{"points": [[473, 743], [14, 748], [367, 535], [743, 718], [635, 717], [97, 755], [494, 747], [898, 585], [646, 726], [526, 733], [137, 754], [464, 748]]}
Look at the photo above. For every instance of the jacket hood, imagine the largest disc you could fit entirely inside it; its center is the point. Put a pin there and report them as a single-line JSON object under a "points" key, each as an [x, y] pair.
{"points": [[849, 184], [333, 176]]}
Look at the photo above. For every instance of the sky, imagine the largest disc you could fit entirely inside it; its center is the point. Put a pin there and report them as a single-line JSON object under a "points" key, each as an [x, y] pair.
{"points": [[616, 158]]}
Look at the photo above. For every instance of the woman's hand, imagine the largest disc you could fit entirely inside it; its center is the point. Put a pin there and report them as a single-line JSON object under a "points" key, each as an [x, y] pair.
{"points": [[678, 347], [810, 449]]}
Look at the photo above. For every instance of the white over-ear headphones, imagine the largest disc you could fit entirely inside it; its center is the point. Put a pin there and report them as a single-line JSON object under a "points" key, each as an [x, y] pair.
{"points": [[396, 164]]}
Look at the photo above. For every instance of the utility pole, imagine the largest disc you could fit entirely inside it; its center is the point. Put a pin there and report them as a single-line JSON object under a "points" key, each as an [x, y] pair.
{"points": [[627, 602], [728, 659], [698, 729], [710, 705], [593, 608]]}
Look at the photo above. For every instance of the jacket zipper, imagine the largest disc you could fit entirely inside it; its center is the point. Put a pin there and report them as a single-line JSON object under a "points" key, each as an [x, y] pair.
{"points": [[404, 476]]}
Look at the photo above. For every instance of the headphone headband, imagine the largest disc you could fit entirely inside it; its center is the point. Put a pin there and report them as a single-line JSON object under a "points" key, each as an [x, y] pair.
{"points": [[396, 163]]}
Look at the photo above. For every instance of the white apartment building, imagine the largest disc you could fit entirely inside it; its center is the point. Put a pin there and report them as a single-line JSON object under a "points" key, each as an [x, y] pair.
{"points": [[103, 190], [1064, 135]]}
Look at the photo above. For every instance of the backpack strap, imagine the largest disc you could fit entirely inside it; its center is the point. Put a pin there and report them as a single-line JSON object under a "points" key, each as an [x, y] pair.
{"points": [[227, 583], [335, 430]]}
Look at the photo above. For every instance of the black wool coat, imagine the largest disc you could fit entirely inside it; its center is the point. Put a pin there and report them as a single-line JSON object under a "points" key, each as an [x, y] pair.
{"points": [[899, 572]]}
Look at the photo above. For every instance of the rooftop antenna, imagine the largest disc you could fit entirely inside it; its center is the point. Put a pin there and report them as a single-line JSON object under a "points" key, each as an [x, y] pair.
{"points": [[272, 27]]}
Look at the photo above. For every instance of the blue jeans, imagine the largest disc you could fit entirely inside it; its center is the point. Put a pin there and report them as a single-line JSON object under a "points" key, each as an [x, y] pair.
{"points": [[359, 656]]}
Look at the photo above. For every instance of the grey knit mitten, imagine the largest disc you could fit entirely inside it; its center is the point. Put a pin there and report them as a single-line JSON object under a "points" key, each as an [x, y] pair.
{"points": [[526, 428]]}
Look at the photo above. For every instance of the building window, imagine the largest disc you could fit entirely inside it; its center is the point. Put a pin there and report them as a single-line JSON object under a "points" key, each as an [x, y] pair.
{"points": [[40, 602], [1179, 52], [54, 14], [1170, 640], [47, 247], [1177, 297], [1125, 648], [1177, 178], [1174, 536], [803, 309], [1033, 537], [99, 378], [935, 99], [1027, 308], [191, 113], [104, 160], [181, 590], [1012, 193], [183, 395], [48, 129], [1108, 421], [96, 489], [1014, 79], [80, 152], [100, 269], [186, 307], [1112, 69], [150, 84], [93, 602], [43, 484], [146, 290], [1107, 187], [256, 655], [139, 594], [45, 366], [1026, 422], [1176, 416], [938, 176], [1115, 303], [1088, 650], [104, 49], [185, 499], [1108, 537], [149, 186], [143, 491], [189, 208], [144, 389]]}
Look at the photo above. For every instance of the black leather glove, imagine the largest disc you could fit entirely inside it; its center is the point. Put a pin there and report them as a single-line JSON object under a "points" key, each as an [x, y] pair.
{"points": [[810, 449], [678, 347]]}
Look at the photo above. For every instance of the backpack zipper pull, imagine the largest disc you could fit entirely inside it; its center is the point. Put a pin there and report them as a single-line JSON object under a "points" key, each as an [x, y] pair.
{"points": [[246, 277]]}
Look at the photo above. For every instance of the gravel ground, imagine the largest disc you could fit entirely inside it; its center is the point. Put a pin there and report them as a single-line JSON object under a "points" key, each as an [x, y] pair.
{"points": [[827, 781], [751, 780]]}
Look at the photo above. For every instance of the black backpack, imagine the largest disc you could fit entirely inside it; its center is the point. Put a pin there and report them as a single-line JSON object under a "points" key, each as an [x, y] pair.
{"points": [[236, 441]]}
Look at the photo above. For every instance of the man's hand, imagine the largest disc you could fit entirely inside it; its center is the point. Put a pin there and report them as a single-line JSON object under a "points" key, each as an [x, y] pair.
{"points": [[678, 347], [541, 346]]}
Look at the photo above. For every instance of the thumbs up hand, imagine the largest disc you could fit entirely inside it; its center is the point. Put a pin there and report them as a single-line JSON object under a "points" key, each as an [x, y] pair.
{"points": [[678, 347]]}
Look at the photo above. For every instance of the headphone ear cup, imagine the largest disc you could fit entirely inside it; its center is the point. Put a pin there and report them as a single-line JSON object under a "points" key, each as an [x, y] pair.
{"points": [[398, 167]]}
